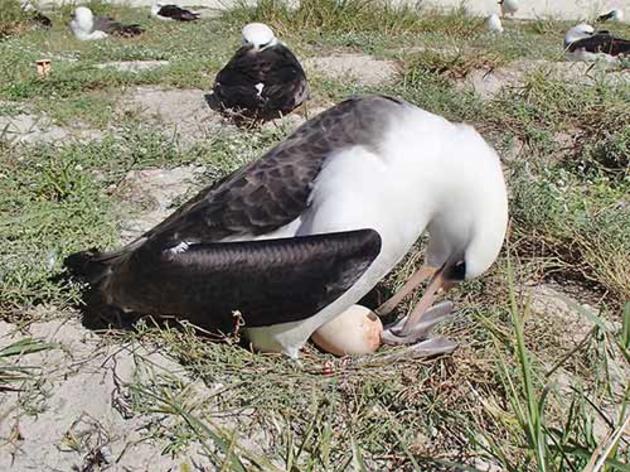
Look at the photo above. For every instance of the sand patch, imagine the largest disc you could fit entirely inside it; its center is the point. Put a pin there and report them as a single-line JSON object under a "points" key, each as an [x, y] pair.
{"points": [[80, 417], [156, 191], [490, 82], [26, 128], [132, 66], [363, 69], [183, 111]]}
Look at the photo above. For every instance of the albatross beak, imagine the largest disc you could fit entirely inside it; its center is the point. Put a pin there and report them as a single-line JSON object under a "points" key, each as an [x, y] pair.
{"points": [[419, 324]]}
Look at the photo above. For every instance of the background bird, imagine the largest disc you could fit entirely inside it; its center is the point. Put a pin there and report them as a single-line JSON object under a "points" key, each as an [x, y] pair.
{"points": [[494, 24], [169, 12], [86, 26], [508, 7], [35, 15], [615, 14], [294, 239], [263, 79], [583, 43]]}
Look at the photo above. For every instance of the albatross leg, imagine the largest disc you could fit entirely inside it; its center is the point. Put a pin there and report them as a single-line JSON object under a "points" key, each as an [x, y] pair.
{"points": [[424, 317], [412, 283]]}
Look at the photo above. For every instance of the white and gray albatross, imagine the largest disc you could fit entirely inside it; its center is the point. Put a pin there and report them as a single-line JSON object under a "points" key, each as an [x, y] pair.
{"points": [[169, 12], [583, 43], [295, 238], [264, 79], [87, 27]]}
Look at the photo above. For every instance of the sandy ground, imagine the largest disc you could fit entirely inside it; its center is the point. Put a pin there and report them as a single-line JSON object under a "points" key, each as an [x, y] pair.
{"points": [[360, 68]]}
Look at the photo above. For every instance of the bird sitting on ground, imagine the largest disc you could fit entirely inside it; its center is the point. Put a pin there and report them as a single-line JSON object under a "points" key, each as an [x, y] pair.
{"points": [[613, 15], [295, 238], [35, 15], [87, 27], [172, 13], [494, 24], [263, 80], [508, 7], [583, 43]]}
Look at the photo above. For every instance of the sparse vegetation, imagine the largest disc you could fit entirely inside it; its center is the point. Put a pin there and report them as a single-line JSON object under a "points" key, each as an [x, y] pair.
{"points": [[518, 395]]}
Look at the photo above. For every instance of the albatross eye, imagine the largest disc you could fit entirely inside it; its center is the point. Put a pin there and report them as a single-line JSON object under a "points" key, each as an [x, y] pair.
{"points": [[457, 272]]}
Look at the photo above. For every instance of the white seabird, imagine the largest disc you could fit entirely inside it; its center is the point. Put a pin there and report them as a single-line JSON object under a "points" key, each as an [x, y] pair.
{"points": [[87, 27], [295, 238], [508, 7], [170, 12], [494, 24], [615, 14], [263, 79], [583, 43]]}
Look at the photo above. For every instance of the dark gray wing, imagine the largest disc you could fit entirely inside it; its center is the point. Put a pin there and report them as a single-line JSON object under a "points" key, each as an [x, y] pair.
{"points": [[602, 42], [274, 190], [103, 23], [277, 68], [169, 269], [177, 13], [269, 281], [114, 28]]}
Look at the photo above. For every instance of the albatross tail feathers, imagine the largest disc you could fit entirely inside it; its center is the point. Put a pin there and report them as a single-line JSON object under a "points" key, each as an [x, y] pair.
{"points": [[91, 266]]}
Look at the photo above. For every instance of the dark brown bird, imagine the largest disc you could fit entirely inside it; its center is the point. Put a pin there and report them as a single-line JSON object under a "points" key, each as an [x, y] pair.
{"points": [[264, 79]]}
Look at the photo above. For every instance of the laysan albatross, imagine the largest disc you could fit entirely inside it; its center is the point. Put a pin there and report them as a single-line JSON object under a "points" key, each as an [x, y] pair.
{"points": [[508, 7], [87, 27], [583, 43], [295, 238], [263, 79], [169, 12]]}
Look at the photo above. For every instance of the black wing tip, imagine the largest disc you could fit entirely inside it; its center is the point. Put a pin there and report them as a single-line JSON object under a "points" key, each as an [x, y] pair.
{"points": [[370, 238], [86, 265]]}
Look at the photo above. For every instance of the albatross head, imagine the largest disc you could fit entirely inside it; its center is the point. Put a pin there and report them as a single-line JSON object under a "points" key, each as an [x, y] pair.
{"points": [[578, 32], [258, 35], [82, 20], [156, 7]]}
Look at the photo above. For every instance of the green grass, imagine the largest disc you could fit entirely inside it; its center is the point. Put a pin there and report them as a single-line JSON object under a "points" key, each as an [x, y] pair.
{"points": [[498, 398]]}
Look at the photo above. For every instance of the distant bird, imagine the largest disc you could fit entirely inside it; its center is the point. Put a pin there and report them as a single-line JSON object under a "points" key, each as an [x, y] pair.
{"points": [[86, 26], [263, 79], [295, 238], [36, 15], [494, 24], [583, 43], [614, 15], [172, 12], [508, 7]]}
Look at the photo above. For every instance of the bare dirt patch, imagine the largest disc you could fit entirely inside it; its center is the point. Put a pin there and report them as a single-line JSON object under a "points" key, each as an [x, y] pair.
{"points": [[547, 301], [155, 191], [26, 128], [490, 82], [363, 69], [182, 111], [132, 66], [76, 413]]}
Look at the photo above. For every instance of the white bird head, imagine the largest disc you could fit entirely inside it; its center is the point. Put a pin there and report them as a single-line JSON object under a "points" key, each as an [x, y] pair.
{"points": [[258, 35], [82, 20], [578, 32], [617, 14], [494, 23], [508, 7]]}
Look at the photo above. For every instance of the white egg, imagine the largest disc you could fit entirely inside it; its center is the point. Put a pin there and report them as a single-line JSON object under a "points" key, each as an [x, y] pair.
{"points": [[356, 331]]}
